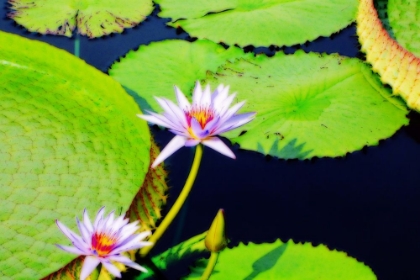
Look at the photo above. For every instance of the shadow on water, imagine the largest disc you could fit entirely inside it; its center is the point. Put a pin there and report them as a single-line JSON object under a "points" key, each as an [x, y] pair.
{"points": [[289, 151], [267, 261]]}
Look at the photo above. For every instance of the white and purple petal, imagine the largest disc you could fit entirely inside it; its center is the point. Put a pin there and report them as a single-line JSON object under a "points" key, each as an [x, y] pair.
{"points": [[175, 144], [218, 145], [72, 250], [126, 261], [89, 264], [112, 269], [182, 100]]}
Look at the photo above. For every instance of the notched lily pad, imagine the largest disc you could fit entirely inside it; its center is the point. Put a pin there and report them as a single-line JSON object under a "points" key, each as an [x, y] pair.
{"points": [[69, 140], [288, 261], [146, 206], [153, 70], [259, 23], [94, 18], [310, 105]]}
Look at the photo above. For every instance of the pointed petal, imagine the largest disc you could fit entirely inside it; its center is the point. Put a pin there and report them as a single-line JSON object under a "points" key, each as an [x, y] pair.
{"points": [[235, 122], [229, 113], [197, 94], [156, 119], [112, 269], [70, 249], [218, 145], [67, 232], [109, 221], [99, 217], [87, 222], [219, 98], [184, 133], [182, 100], [89, 265], [172, 112], [127, 262], [132, 245], [206, 97], [224, 106], [86, 235], [75, 239], [176, 143]]}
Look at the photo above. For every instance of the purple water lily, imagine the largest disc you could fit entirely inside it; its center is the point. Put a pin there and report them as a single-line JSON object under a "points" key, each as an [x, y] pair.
{"points": [[104, 241], [208, 115]]}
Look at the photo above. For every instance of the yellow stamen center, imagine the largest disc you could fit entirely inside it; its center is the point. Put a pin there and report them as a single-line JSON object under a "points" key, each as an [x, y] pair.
{"points": [[102, 244]]}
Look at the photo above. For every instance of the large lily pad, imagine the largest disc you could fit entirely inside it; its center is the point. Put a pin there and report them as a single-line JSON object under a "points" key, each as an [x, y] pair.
{"points": [[404, 18], [93, 18], [310, 105], [396, 66], [69, 140], [259, 23], [146, 206], [153, 70], [286, 261]]}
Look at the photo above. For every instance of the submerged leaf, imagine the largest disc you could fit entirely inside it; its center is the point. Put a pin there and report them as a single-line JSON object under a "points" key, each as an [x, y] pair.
{"points": [[404, 17], [286, 261], [310, 105], [395, 65], [259, 23], [153, 70], [70, 140], [102, 17]]}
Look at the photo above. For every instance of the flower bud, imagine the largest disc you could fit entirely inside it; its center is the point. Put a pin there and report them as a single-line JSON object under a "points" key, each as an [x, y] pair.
{"points": [[216, 240]]}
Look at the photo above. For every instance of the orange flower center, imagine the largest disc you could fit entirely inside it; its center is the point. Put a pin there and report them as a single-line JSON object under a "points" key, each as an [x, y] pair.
{"points": [[202, 115], [102, 244]]}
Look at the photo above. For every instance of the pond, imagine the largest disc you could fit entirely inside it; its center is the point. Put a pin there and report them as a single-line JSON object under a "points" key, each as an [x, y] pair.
{"points": [[365, 203]]}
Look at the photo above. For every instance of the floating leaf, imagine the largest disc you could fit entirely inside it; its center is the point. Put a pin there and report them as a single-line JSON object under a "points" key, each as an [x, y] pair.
{"points": [[92, 18], [148, 202], [259, 23], [69, 140], [310, 105], [404, 17], [164, 262], [286, 261], [153, 70], [395, 65]]}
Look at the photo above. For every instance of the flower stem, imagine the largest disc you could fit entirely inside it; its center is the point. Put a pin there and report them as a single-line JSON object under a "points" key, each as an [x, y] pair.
{"points": [[178, 203], [210, 266]]}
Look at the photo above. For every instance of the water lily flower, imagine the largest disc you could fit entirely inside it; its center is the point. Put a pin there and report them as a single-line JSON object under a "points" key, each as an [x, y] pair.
{"points": [[104, 241], [208, 115]]}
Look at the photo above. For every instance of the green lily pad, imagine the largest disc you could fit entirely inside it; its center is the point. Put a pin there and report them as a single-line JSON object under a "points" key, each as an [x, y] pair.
{"points": [[69, 140], [310, 105], [286, 261], [153, 70], [259, 23], [146, 206], [94, 18], [404, 19]]}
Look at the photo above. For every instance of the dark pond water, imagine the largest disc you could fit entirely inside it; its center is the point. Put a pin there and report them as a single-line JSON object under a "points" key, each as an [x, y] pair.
{"points": [[366, 203]]}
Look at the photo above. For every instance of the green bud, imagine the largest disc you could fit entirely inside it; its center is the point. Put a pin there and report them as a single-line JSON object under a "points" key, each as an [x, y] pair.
{"points": [[216, 239]]}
